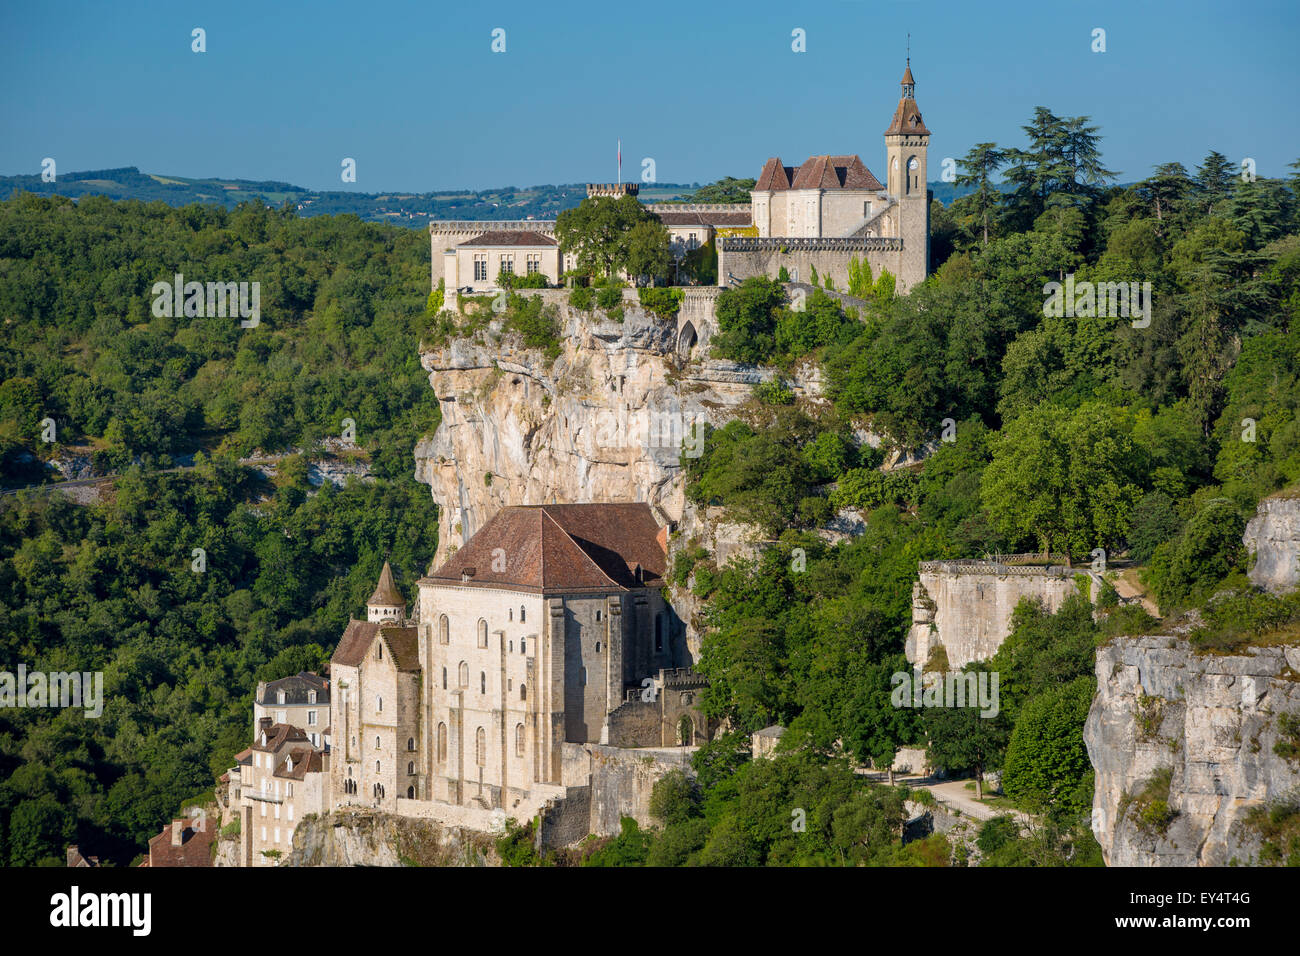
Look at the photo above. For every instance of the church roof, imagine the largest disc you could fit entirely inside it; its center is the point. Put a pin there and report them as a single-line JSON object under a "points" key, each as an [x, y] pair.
{"points": [[386, 593], [818, 172], [359, 636], [561, 549]]}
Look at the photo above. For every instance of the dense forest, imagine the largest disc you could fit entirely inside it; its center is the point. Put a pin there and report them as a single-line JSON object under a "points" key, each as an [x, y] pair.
{"points": [[1068, 433], [111, 587]]}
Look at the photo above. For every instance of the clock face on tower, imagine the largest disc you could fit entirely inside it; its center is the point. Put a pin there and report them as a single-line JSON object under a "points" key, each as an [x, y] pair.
{"points": [[913, 164]]}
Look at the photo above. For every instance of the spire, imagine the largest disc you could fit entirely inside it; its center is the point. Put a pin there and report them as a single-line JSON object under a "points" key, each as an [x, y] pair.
{"points": [[907, 117], [386, 593]]}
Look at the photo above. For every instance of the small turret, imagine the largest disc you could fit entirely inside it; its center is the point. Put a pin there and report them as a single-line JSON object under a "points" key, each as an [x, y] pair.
{"points": [[386, 604]]}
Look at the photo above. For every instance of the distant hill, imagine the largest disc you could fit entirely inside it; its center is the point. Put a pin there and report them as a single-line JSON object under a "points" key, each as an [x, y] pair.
{"points": [[405, 209]]}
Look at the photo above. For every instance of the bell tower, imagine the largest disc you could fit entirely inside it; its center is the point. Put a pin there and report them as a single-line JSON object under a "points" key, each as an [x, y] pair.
{"points": [[907, 141]]}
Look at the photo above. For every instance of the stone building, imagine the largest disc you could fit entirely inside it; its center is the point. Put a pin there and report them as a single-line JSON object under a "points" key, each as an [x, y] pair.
{"points": [[302, 700], [547, 629], [831, 209], [182, 843], [273, 784], [375, 726], [476, 265]]}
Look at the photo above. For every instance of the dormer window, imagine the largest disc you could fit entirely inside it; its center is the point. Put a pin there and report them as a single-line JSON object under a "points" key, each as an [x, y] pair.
{"points": [[311, 697], [279, 697]]}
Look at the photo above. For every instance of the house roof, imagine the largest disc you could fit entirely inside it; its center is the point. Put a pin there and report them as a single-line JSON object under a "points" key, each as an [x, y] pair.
{"points": [[404, 645], [296, 689], [278, 736], [386, 593], [561, 548], [305, 761], [193, 850], [817, 172], [510, 237]]}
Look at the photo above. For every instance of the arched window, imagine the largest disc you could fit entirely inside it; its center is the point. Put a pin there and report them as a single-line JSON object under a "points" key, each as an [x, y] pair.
{"points": [[523, 645], [523, 691], [410, 743], [519, 740], [410, 793], [482, 633], [410, 766], [522, 612], [512, 614], [376, 766], [444, 678], [379, 703], [442, 742], [512, 647], [376, 742], [464, 674], [598, 647], [444, 630], [480, 747], [482, 682]]}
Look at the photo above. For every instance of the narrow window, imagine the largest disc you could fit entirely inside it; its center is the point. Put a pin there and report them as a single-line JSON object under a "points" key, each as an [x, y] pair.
{"points": [[444, 630], [442, 742], [482, 633], [410, 766], [522, 612], [444, 678], [480, 747], [410, 743], [519, 740], [482, 682], [464, 674], [523, 691]]}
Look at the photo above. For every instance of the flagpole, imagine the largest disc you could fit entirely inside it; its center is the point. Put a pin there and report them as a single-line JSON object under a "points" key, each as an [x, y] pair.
{"points": [[620, 162]]}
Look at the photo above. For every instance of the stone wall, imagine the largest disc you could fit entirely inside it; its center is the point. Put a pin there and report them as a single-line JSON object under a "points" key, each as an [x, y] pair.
{"points": [[966, 606], [1273, 537], [622, 781], [740, 258], [1209, 723]]}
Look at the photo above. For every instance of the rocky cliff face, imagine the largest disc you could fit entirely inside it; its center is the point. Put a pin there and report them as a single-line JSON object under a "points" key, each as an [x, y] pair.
{"points": [[1273, 536], [1183, 747], [604, 421], [370, 838]]}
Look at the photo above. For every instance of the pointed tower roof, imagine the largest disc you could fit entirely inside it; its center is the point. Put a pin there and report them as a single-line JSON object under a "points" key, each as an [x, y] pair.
{"points": [[386, 593], [907, 116]]}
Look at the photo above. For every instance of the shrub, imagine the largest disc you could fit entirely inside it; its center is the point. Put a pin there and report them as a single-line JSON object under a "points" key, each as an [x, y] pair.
{"points": [[581, 297], [609, 297]]}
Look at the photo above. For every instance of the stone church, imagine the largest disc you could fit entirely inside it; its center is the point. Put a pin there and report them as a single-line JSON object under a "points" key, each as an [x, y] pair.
{"points": [[545, 632]]}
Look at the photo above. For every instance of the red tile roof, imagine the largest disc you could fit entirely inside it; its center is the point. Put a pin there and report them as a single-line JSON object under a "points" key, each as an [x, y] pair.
{"points": [[818, 172], [193, 851], [562, 548]]}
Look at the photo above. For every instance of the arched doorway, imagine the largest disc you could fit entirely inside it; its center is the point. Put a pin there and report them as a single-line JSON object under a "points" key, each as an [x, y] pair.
{"points": [[686, 340], [686, 731]]}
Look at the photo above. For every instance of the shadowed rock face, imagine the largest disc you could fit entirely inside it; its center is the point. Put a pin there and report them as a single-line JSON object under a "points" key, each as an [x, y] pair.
{"points": [[1211, 723], [1273, 536]]}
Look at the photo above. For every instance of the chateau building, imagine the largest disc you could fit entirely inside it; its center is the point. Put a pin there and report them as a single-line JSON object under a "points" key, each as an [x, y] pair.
{"points": [[547, 630], [811, 220]]}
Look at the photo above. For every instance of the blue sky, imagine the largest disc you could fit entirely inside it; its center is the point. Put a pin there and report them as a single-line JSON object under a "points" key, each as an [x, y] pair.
{"points": [[415, 94]]}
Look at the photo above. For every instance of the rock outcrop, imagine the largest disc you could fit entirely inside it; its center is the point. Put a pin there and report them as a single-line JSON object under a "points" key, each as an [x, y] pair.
{"points": [[1183, 748], [965, 607], [370, 838], [1273, 536], [604, 421]]}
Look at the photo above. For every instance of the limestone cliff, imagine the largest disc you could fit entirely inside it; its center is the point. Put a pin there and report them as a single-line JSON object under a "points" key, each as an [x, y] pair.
{"points": [[603, 421], [1273, 536], [370, 838], [1183, 748]]}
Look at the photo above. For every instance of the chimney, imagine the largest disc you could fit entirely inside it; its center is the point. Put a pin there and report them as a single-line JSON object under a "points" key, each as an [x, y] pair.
{"points": [[178, 832]]}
